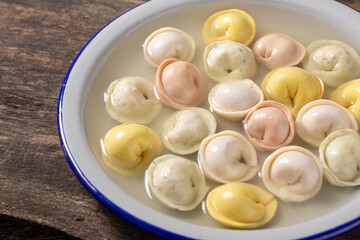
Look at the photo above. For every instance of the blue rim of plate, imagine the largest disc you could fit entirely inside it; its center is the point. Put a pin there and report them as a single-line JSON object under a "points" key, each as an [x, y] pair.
{"points": [[331, 233]]}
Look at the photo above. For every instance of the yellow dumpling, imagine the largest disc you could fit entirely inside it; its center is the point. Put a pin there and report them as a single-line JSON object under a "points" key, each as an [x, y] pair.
{"points": [[241, 205], [231, 24], [293, 87], [129, 148], [348, 96]]}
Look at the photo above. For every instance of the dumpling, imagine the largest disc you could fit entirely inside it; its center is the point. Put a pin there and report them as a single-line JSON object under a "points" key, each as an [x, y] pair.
{"points": [[292, 86], [335, 62], [269, 126], [184, 130], [319, 118], [229, 60], [129, 148], [234, 99], [176, 182], [348, 96], [241, 205], [278, 50], [293, 174], [179, 84], [132, 99], [340, 158], [168, 42], [227, 156], [231, 24]]}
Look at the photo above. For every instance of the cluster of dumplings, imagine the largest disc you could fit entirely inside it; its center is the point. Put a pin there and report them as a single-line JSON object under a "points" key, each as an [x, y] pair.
{"points": [[287, 103]]}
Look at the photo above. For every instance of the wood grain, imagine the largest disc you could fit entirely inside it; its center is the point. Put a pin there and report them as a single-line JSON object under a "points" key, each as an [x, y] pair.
{"points": [[38, 41]]}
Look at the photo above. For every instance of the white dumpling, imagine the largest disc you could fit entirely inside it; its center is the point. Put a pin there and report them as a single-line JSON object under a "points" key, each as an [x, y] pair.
{"points": [[132, 99], [234, 99], [228, 157], [184, 130], [335, 62], [226, 60], [177, 182], [292, 173], [340, 156], [168, 42], [319, 118]]}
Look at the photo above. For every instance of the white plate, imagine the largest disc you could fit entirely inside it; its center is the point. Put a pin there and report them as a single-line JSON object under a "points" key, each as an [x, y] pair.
{"points": [[116, 51]]}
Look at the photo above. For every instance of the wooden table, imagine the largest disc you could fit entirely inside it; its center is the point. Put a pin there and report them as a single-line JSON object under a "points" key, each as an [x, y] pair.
{"points": [[40, 197]]}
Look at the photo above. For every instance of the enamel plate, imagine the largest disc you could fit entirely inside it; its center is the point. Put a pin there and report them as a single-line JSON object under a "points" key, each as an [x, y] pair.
{"points": [[116, 52]]}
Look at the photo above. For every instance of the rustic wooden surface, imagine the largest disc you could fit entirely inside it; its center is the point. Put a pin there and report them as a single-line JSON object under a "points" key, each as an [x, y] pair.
{"points": [[40, 197]]}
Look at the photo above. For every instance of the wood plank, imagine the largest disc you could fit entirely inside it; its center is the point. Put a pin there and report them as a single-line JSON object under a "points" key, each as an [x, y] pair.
{"points": [[39, 40]]}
